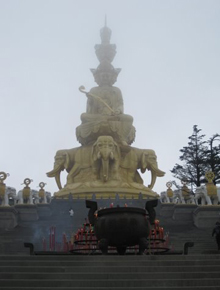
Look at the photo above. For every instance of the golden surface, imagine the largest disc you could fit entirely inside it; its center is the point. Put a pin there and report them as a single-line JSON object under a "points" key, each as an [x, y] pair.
{"points": [[3, 176], [26, 190], [211, 189], [210, 186], [209, 176], [185, 191], [41, 192], [170, 192], [105, 164]]}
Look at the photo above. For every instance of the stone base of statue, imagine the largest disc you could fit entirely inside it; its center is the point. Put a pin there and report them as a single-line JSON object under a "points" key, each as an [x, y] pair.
{"points": [[8, 217], [27, 212], [206, 216], [105, 168], [106, 190], [184, 212]]}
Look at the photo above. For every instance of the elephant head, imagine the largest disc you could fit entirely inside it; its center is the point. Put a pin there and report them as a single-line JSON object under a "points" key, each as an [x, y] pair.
{"points": [[105, 150], [148, 160], [64, 159]]}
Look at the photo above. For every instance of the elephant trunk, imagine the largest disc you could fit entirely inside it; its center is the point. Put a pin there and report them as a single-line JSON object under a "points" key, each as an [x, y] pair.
{"points": [[106, 155], [158, 172], [105, 167], [53, 172], [56, 173]]}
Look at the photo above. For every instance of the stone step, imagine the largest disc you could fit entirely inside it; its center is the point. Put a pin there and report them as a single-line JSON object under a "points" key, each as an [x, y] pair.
{"points": [[109, 258], [154, 272], [177, 263], [107, 269], [128, 283], [117, 288], [109, 275]]}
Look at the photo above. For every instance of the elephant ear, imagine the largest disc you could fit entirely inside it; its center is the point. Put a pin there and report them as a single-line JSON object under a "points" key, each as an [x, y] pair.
{"points": [[67, 160], [143, 162], [94, 153], [117, 149]]}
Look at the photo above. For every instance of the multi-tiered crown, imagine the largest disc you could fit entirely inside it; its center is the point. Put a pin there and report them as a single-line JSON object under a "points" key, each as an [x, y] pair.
{"points": [[105, 53]]}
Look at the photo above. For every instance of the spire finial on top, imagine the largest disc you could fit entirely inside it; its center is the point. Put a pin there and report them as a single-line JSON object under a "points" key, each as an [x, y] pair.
{"points": [[105, 33]]}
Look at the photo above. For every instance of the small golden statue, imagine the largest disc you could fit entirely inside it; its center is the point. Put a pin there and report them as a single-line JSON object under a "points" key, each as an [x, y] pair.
{"points": [[3, 194], [3, 176], [26, 192], [42, 193], [210, 186], [169, 190], [185, 190]]}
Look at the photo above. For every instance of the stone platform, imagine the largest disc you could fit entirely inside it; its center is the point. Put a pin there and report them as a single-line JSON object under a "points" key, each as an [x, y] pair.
{"points": [[206, 216], [8, 217], [183, 212], [25, 223]]}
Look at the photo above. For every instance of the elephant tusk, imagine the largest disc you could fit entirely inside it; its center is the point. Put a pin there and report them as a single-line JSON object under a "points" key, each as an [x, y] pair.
{"points": [[153, 179], [57, 178], [111, 155], [99, 155]]}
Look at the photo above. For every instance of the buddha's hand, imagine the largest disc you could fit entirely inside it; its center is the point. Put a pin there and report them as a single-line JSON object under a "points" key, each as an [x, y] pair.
{"points": [[117, 112], [88, 96]]}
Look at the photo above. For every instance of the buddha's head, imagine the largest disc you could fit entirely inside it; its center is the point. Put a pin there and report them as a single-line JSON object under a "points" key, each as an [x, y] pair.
{"points": [[105, 74]]}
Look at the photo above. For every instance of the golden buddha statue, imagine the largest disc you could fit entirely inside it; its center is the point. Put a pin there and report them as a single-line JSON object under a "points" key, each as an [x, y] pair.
{"points": [[105, 164], [105, 110]]}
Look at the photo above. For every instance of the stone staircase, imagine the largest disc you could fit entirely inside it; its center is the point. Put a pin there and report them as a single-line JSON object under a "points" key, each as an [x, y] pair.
{"points": [[202, 243], [182, 231], [110, 272]]}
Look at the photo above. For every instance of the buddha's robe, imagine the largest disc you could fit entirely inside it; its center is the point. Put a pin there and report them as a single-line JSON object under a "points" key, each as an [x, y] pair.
{"points": [[100, 120]]}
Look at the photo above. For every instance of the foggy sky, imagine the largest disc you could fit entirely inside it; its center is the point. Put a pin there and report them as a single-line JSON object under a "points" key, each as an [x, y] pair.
{"points": [[169, 52]]}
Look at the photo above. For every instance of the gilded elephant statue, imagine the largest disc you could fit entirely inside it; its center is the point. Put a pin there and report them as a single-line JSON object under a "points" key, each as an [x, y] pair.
{"points": [[77, 162], [143, 159], [105, 158], [64, 159]]}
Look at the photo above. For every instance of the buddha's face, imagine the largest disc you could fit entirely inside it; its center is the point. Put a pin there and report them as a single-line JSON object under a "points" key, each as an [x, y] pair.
{"points": [[105, 79]]}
